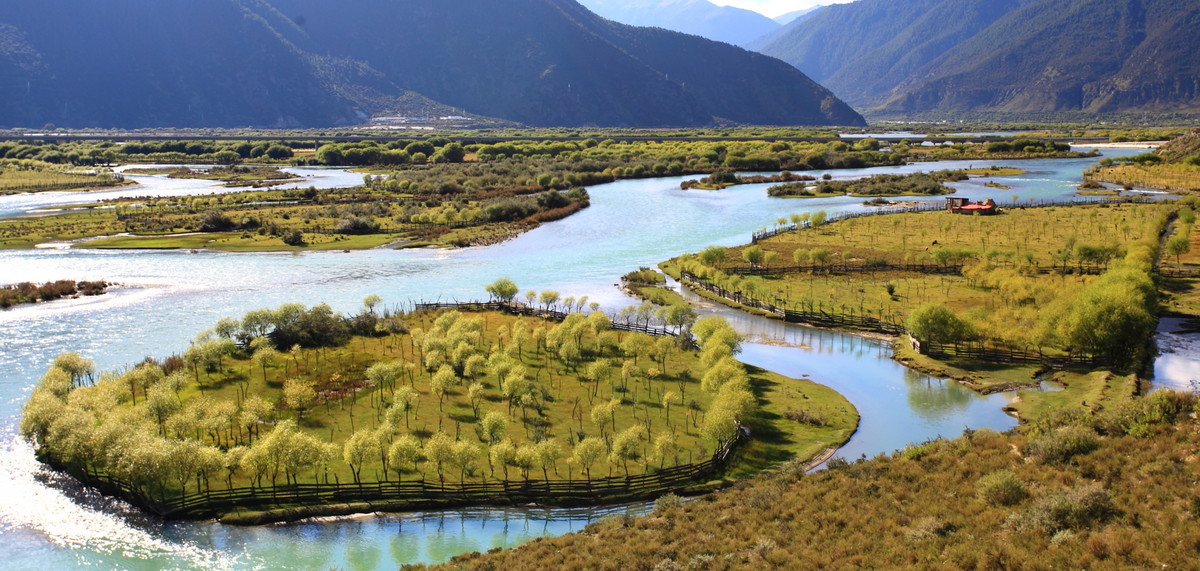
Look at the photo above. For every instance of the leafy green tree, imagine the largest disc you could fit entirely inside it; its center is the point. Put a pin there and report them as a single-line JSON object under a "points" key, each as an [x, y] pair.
{"points": [[1178, 246], [938, 324], [299, 394], [440, 450], [626, 446], [503, 290], [358, 450], [404, 454], [713, 255], [753, 255], [493, 427], [587, 453], [502, 454], [549, 452]]}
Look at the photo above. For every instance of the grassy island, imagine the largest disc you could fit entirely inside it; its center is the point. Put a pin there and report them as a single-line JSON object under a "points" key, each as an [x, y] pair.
{"points": [[996, 302], [916, 184], [299, 411], [18, 176]]}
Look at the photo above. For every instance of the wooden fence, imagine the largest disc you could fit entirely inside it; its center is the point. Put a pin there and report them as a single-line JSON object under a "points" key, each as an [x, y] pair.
{"points": [[931, 269], [418, 493], [517, 308]]}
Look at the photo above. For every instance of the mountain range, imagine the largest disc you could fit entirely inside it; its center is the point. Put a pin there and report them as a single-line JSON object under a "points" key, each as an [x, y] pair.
{"points": [[904, 59], [318, 63], [727, 24]]}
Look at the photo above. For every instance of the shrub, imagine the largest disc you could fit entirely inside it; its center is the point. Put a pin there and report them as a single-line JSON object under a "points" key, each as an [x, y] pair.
{"points": [[1062, 443], [1001, 488], [666, 503], [294, 238], [1078, 508]]}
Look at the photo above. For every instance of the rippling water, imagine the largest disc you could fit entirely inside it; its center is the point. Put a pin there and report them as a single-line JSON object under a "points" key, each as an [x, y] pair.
{"points": [[167, 297]]}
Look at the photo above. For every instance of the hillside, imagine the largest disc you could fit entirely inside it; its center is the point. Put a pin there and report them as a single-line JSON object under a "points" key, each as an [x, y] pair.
{"points": [[315, 63], [1113, 491], [697, 17], [959, 57]]}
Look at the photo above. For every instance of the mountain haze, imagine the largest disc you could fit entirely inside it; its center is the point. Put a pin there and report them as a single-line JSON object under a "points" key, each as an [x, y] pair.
{"points": [[1008, 56], [698, 17], [315, 63]]}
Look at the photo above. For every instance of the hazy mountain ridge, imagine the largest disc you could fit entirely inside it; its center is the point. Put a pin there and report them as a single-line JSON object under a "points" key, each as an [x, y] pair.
{"points": [[697, 17], [1006, 56], [302, 63]]}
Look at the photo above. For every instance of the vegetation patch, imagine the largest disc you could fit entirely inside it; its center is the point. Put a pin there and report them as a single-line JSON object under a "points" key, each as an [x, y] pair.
{"points": [[966, 503], [300, 396], [27, 292], [916, 184]]}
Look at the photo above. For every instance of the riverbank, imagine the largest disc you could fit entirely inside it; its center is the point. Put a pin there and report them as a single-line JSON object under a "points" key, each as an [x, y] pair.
{"points": [[957, 280]]}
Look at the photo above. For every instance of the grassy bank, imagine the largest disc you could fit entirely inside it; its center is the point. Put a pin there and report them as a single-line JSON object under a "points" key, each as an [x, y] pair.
{"points": [[1109, 490]]}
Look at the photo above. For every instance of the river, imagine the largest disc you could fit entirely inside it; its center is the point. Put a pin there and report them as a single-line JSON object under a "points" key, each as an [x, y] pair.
{"points": [[167, 297]]}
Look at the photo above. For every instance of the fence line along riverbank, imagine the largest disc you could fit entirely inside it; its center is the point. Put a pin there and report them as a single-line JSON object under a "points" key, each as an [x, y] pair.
{"points": [[297, 501]]}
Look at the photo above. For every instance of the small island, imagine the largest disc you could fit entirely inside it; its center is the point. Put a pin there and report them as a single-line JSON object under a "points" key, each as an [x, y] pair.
{"points": [[28, 292], [298, 411]]}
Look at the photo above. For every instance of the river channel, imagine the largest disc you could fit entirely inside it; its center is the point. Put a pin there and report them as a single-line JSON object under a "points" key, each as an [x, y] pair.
{"points": [[166, 297]]}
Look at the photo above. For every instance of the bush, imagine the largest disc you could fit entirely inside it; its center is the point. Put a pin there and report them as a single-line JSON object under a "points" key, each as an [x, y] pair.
{"points": [[1062, 443], [666, 503], [1078, 508], [805, 417], [1001, 488], [215, 221], [294, 238]]}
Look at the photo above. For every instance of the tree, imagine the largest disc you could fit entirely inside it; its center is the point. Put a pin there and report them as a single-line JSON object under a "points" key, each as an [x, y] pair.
{"points": [[753, 255], [820, 256], [440, 450], [503, 290], [548, 299], [625, 446], [299, 394], [713, 255], [441, 383], [526, 459], [263, 357], [502, 453], [1178, 246], [493, 426], [587, 452], [404, 454], [818, 218], [404, 401], [370, 302], [549, 452], [463, 455], [357, 450], [664, 446], [938, 324], [80, 368]]}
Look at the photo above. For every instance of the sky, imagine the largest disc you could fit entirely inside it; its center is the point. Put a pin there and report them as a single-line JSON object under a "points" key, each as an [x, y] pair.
{"points": [[774, 8]]}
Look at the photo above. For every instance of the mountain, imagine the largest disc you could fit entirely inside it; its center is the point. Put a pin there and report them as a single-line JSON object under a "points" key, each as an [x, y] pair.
{"points": [[318, 63], [902, 59], [785, 19], [727, 24]]}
